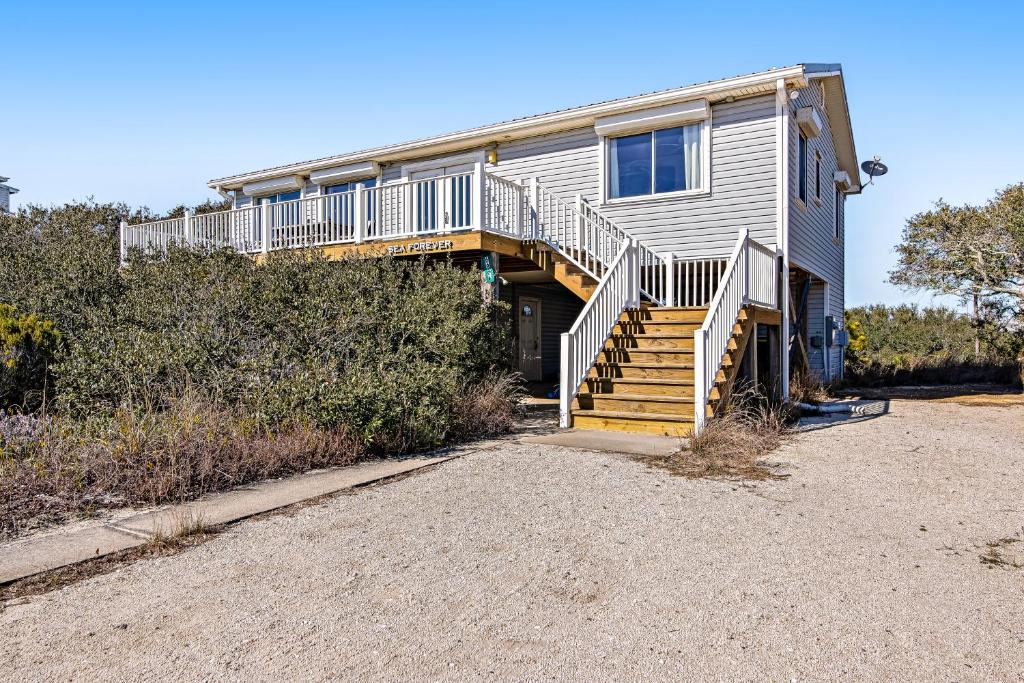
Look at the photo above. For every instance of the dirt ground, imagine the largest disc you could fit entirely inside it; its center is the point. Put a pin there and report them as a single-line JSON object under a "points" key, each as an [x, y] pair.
{"points": [[893, 550]]}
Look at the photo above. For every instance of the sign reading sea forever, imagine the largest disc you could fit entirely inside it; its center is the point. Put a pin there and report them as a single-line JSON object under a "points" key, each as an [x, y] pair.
{"points": [[420, 247]]}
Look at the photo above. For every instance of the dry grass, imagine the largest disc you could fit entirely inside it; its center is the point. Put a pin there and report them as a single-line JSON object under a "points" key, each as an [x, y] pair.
{"points": [[733, 445], [1005, 553], [151, 458], [490, 407], [185, 522], [806, 388]]}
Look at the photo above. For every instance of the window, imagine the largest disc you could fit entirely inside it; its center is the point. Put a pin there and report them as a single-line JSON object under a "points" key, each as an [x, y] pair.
{"points": [[817, 176], [837, 218], [281, 197], [667, 160], [283, 215], [350, 186], [801, 153]]}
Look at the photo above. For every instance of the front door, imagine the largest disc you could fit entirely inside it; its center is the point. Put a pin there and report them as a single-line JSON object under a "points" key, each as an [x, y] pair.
{"points": [[529, 339], [441, 198]]}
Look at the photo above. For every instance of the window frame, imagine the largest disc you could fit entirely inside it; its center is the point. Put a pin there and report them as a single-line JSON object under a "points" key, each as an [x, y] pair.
{"points": [[817, 177], [325, 190], [604, 166], [801, 168]]}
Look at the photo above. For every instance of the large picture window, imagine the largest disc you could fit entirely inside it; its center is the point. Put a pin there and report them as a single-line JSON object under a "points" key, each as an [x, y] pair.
{"points": [[666, 160]]}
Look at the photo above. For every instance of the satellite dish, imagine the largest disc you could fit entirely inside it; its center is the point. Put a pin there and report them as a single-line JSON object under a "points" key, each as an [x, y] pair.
{"points": [[874, 168]]}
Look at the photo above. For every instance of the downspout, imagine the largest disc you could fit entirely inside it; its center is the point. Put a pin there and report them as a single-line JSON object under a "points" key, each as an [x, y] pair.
{"points": [[782, 220]]}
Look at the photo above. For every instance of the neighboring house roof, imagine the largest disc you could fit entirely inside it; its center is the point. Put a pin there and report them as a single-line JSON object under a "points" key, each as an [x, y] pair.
{"points": [[760, 83]]}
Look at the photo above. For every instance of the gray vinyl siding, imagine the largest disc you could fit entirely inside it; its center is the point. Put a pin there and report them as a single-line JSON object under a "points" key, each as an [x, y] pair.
{"points": [[811, 230], [742, 183], [558, 311], [816, 327]]}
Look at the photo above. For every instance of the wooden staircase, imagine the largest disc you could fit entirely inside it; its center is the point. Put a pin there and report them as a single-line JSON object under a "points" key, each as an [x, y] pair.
{"points": [[644, 379], [564, 271]]}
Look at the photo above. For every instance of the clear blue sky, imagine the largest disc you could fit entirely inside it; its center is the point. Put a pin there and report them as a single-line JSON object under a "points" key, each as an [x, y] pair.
{"points": [[127, 102]]}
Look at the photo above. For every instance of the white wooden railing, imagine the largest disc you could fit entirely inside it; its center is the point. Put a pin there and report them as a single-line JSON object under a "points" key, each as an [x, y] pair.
{"points": [[429, 206], [750, 277], [618, 290]]}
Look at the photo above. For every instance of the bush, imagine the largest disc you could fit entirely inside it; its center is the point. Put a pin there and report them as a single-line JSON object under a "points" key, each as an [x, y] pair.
{"points": [[891, 345], [28, 345], [294, 354]]}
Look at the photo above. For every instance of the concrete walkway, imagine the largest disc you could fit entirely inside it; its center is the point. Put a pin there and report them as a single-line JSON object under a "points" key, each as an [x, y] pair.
{"points": [[30, 556]]}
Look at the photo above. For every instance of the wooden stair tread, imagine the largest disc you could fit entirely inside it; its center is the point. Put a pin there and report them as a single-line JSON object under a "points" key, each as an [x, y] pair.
{"points": [[652, 398], [647, 380], [667, 366], [640, 417], [649, 349], [652, 335]]}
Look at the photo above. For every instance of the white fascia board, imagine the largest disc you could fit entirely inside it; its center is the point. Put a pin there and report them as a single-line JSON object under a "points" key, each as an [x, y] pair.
{"points": [[653, 119], [809, 121], [576, 117], [341, 174], [273, 186]]}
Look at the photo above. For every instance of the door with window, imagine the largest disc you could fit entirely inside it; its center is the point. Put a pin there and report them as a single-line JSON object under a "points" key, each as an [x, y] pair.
{"points": [[529, 339], [442, 198]]}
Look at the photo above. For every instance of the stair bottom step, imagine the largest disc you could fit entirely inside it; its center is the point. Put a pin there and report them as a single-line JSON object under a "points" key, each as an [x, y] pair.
{"points": [[647, 423]]}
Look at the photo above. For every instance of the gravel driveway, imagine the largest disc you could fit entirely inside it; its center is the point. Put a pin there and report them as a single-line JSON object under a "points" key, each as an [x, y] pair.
{"points": [[534, 562]]}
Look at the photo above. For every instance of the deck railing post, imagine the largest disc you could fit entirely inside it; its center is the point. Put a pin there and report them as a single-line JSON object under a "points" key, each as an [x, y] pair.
{"points": [[359, 214], [189, 233], [265, 220], [579, 223], [565, 380], [670, 279], [479, 195], [745, 258], [123, 241], [535, 208], [700, 392]]}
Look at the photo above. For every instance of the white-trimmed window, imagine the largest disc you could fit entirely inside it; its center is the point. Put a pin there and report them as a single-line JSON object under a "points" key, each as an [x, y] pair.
{"points": [[801, 165], [817, 177], [658, 162], [349, 186]]}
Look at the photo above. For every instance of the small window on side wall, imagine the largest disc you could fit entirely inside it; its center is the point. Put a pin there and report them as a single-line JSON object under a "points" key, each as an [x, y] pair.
{"points": [[658, 162], [801, 153], [817, 176]]}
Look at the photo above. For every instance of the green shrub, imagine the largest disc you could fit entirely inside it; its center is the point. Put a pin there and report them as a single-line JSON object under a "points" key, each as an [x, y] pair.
{"points": [[178, 375], [28, 345], [904, 344]]}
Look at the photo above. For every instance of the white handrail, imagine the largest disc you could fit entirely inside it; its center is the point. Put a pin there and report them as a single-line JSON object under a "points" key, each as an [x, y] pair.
{"points": [[750, 277], [655, 270], [618, 290]]}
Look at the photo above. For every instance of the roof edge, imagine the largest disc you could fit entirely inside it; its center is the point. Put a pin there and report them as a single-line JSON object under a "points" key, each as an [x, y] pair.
{"points": [[525, 127]]}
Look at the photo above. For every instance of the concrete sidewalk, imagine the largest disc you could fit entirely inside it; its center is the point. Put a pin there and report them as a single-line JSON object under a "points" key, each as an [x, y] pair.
{"points": [[23, 558]]}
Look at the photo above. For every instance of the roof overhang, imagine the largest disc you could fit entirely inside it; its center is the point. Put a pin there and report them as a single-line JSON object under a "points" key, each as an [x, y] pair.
{"points": [[761, 83], [834, 91]]}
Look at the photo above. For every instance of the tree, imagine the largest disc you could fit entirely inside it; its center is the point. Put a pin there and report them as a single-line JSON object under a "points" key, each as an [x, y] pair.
{"points": [[975, 253]]}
